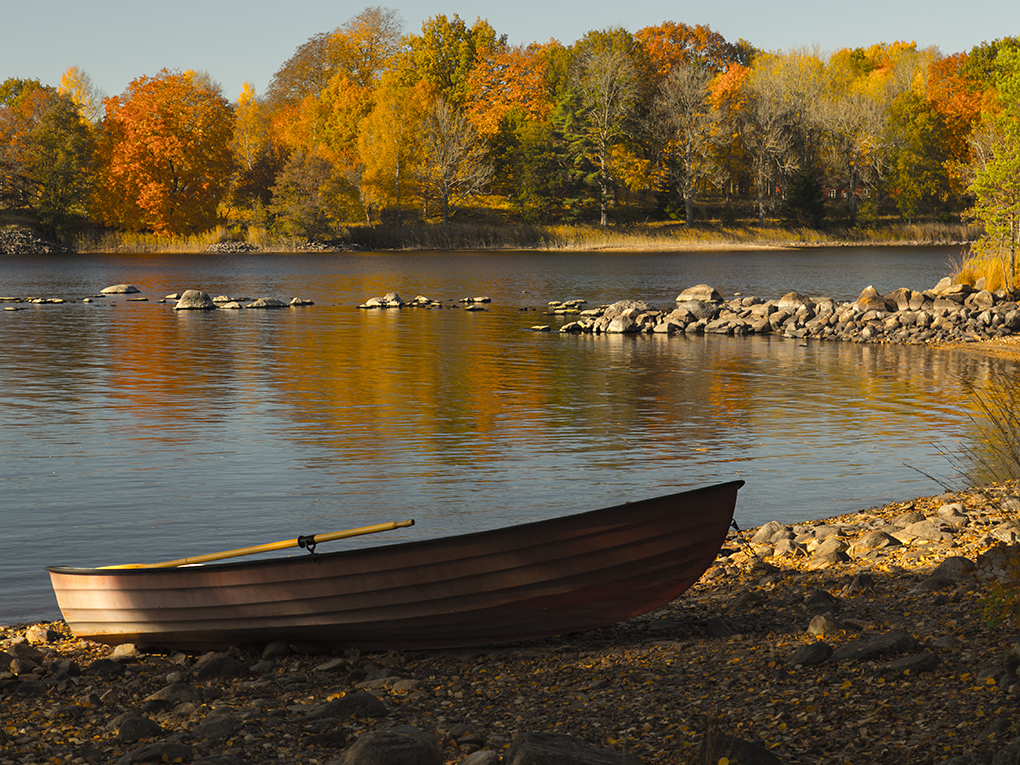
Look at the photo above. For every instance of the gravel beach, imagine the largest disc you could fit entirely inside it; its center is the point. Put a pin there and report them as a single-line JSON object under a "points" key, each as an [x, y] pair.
{"points": [[856, 639]]}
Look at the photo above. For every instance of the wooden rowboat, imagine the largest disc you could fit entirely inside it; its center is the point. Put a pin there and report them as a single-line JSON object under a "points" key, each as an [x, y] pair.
{"points": [[537, 579]]}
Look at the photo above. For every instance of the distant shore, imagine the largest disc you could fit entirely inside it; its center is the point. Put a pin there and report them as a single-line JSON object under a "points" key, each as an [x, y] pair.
{"points": [[496, 238]]}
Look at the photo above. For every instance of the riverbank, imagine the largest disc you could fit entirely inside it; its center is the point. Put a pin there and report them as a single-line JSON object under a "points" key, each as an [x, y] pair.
{"points": [[667, 237], [857, 638]]}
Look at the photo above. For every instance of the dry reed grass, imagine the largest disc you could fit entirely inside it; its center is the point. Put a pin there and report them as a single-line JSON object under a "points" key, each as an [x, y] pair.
{"points": [[520, 236]]}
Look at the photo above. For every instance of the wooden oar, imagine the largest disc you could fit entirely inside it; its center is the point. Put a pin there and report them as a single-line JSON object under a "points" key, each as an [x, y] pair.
{"points": [[302, 541]]}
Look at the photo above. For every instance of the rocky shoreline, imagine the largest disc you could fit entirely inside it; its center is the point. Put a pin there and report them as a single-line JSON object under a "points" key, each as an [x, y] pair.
{"points": [[947, 313], [858, 638], [15, 240]]}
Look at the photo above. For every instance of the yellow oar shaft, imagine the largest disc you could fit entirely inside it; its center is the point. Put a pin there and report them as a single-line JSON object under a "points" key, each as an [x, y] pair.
{"points": [[299, 542]]}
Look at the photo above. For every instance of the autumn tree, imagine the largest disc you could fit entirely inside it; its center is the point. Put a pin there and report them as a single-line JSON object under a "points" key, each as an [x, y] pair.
{"points": [[918, 173], [165, 153], [997, 183], [444, 54], [388, 149], [508, 79], [684, 111], [46, 150], [604, 99], [453, 163], [257, 156], [308, 199], [84, 93], [671, 45]]}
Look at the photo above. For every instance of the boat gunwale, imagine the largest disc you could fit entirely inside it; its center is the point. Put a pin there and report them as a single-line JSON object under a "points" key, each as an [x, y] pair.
{"points": [[388, 548]]}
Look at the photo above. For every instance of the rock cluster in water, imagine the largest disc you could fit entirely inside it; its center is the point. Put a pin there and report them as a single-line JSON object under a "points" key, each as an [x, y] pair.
{"points": [[949, 312]]}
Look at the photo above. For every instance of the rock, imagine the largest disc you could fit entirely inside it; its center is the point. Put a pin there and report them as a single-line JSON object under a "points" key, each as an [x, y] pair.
{"points": [[700, 292], [955, 568], [824, 625], [177, 693], [157, 753], [811, 655], [359, 703], [874, 540], [923, 530], [216, 728], [276, 650], [300, 302], [266, 302], [482, 757], [772, 532], [792, 302], [560, 749], [124, 652], [388, 748], [232, 247], [120, 289], [22, 241], [875, 647], [194, 300], [871, 300], [820, 602], [719, 748], [40, 634], [922, 662], [222, 666], [135, 728], [389, 300]]}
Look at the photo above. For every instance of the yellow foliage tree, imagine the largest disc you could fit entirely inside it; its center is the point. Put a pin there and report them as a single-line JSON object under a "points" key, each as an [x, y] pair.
{"points": [[387, 145]]}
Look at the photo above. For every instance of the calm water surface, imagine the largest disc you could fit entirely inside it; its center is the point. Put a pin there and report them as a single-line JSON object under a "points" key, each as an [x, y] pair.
{"points": [[132, 432]]}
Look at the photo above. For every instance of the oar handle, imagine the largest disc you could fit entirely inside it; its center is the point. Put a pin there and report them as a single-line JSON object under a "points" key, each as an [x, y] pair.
{"points": [[302, 541]]}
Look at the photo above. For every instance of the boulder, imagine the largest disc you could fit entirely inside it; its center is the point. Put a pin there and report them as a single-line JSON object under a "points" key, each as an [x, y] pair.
{"points": [[701, 292], [195, 300], [267, 302], [120, 289], [871, 300]]}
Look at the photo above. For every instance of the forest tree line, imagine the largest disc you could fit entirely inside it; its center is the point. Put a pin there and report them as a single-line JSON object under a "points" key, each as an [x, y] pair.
{"points": [[367, 124]]}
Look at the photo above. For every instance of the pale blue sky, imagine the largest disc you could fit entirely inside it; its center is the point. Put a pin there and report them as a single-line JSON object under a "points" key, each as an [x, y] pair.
{"points": [[117, 40]]}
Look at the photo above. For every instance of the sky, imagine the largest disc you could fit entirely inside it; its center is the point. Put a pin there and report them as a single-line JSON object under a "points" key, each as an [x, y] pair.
{"points": [[238, 41]]}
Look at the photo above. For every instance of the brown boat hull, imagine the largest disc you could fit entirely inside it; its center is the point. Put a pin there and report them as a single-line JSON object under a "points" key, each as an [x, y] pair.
{"points": [[537, 579]]}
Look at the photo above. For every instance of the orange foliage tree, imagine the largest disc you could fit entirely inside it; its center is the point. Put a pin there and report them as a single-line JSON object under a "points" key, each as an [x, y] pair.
{"points": [[164, 152], [505, 79], [670, 44]]}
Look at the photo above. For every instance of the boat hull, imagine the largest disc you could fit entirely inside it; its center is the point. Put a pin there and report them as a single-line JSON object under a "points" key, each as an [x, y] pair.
{"points": [[550, 577]]}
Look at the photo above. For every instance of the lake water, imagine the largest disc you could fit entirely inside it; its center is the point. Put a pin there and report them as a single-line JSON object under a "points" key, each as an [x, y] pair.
{"points": [[131, 432]]}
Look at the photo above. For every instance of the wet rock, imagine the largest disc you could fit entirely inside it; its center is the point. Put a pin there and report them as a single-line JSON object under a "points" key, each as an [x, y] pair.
{"points": [[119, 289], [266, 302], [195, 300], [389, 300]]}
